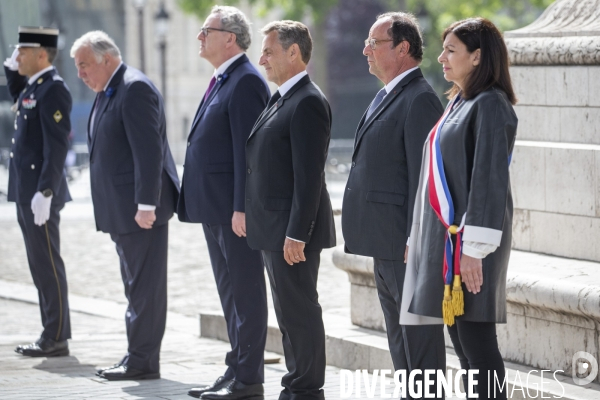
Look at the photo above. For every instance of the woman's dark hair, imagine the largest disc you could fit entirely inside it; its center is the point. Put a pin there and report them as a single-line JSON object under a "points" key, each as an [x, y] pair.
{"points": [[480, 33]]}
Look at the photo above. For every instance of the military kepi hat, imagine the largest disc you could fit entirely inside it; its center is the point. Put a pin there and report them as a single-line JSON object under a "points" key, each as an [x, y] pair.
{"points": [[34, 36]]}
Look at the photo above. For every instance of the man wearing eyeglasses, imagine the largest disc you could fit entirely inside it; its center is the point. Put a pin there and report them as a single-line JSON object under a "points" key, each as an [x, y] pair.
{"points": [[212, 193], [381, 189]]}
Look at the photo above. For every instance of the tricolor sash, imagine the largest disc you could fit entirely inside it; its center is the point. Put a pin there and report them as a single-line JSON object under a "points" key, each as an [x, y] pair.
{"points": [[441, 202]]}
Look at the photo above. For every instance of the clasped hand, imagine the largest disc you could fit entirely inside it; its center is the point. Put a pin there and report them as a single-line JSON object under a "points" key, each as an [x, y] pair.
{"points": [[293, 251], [145, 219]]}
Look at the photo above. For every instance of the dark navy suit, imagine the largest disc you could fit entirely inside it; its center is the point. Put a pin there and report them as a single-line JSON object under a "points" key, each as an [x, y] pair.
{"points": [[38, 152], [131, 164], [212, 189]]}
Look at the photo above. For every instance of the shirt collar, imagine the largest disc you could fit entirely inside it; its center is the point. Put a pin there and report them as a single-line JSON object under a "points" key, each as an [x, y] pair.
{"points": [[37, 75], [390, 86], [112, 76], [287, 85], [223, 67]]}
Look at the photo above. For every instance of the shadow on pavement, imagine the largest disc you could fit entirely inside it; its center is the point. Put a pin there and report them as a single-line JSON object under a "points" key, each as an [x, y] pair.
{"points": [[66, 366], [151, 389]]}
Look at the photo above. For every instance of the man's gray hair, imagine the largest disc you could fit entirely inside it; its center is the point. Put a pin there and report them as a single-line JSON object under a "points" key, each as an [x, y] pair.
{"points": [[99, 42], [233, 20], [290, 32]]}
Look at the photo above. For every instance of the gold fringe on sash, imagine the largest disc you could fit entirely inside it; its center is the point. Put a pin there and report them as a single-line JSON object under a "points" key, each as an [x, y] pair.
{"points": [[458, 299], [447, 307]]}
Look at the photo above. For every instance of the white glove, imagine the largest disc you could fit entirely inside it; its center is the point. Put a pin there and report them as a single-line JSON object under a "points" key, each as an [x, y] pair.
{"points": [[40, 206], [11, 63]]}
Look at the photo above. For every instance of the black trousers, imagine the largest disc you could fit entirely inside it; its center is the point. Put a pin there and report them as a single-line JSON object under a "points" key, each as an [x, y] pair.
{"points": [[300, 320], [411, 346], [240, 277], [143, 257], [42, 244], [476, 346]]}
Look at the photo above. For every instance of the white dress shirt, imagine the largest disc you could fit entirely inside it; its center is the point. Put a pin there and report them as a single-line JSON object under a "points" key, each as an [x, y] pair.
{"points": [[392, 84], [223, 67]]}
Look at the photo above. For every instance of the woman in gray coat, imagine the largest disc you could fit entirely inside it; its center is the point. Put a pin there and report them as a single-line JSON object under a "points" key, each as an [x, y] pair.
{"points": [[461, 235]]}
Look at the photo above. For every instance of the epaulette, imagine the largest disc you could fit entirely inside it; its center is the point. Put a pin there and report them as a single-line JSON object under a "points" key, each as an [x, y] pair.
{"points": [[57, 78]]}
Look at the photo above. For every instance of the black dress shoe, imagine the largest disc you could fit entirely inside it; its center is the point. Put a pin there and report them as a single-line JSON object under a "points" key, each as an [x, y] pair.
{"points": [[126, 373], [220, 383], [235, 391], [44, 348], [99, 371]]}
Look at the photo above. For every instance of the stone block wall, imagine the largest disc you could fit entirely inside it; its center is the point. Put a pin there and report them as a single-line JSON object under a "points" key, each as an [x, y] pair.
{"points": [[555, 169]]}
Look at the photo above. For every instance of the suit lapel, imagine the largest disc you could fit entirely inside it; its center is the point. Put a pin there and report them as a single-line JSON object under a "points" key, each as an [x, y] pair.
{"points": [[204, 103], [365, 123], [104, 101], [268, 113]]}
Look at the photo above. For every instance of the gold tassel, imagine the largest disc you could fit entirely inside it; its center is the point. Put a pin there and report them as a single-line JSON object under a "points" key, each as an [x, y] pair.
{"points": [[458, 298], [447, 311]]}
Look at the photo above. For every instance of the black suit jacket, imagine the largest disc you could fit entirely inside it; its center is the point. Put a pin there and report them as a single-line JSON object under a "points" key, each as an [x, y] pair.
{"points": [[381, 189], [130, 159], [286, 193], [214, 179], [41, 138]]}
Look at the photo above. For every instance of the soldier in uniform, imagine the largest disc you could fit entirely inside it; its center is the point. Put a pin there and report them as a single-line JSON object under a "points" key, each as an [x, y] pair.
{"points": [[37, 180]]}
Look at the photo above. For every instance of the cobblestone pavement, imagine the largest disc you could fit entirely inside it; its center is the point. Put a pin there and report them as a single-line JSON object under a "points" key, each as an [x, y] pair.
{"points": [[187, 360]]}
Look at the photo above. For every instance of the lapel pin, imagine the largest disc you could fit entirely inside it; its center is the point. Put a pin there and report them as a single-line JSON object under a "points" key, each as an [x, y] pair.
{"points": [[40, 81]]}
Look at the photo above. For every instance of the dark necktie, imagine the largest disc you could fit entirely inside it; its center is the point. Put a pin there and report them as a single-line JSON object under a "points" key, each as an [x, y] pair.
{"points": [[211, 85], [96, 105], [273, 99], [376, 101]]}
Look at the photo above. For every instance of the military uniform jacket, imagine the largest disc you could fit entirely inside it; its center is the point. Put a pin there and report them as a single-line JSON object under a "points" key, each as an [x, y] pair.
{"points": [[286, 152], [382, 185], [130, 158], [41, 141], [476, 143]]}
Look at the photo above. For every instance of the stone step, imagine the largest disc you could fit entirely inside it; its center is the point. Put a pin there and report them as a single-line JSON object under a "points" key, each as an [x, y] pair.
{"points": [[352, 347]]}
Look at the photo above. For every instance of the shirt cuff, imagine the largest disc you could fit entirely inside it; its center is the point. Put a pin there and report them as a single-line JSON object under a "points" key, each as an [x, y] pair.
{"points": [[146, 207], [477, 249], [480, 234], [295, 240]]}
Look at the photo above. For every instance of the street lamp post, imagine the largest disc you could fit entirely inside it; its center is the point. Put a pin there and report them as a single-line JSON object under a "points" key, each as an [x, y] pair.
{"points": [[139, 6], [161, 27]]}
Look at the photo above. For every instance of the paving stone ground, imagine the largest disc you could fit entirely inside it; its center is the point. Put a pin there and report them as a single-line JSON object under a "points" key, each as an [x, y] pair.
{"points": [[186, 360]]}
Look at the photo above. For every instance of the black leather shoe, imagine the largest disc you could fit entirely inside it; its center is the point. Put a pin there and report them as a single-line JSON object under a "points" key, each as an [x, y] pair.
{"points": [[44, 348], [126, 373], [220, 383], [235, 391], [99, 371]]}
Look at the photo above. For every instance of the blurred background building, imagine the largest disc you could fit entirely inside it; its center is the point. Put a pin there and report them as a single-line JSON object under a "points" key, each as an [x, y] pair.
{"points": [[159, 37]]}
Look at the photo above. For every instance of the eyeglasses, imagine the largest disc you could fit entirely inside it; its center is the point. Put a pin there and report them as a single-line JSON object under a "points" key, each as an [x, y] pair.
{"points": [[205, 30], [373, 42]]}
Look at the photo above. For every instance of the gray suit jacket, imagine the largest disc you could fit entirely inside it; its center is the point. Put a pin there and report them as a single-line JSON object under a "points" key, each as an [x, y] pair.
{"points": [[380, 193]]}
